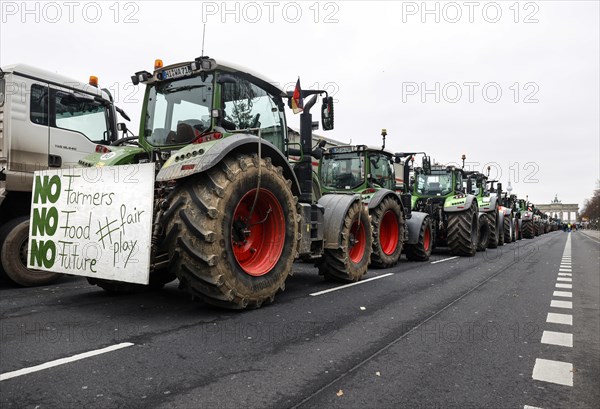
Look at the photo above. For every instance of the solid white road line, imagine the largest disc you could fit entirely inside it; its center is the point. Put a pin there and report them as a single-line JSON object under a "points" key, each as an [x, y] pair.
{"points": [[565, 274], [561, 304], [553, 371], [567, 294], [444, 259], [565, 279], [62, 361], [341, 287], [555, 318], [561, 285], [557, 338]]}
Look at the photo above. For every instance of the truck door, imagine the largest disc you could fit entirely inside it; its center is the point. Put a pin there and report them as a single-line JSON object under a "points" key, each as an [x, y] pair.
{"points": [[78, 124], [28, 132]]}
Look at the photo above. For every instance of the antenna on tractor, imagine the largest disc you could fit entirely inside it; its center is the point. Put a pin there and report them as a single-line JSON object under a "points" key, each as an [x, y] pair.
{"points": [[203, 32], [463, 157], [488, 170], [383, 135]]}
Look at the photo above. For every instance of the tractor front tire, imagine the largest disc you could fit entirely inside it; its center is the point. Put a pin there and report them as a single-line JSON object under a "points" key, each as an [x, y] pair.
{"points": [[528, 229], [349, 262], [493, 220], [483, 236], [231, 244], [506, 230], [14, 237], [388, 233], [463, 232], [422, 249]]}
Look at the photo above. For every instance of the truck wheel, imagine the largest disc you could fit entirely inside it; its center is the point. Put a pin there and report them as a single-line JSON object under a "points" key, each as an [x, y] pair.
{"points": [[221, 250], [493, 220], [506, 230], [14, 236], [483, 236], [422, 250], [350, 262], [528, 229], [388, 233], [463, 232]]}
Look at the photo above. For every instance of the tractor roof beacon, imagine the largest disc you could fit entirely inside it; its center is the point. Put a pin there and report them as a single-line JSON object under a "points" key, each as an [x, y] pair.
{"points": [[232, 212]]}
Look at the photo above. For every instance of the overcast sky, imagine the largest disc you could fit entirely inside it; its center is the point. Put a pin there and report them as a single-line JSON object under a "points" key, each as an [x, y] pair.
{"points": [[514, 85]]}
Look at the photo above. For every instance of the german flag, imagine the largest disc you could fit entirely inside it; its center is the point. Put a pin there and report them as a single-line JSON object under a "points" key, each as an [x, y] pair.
{"points": [[297, 100]]}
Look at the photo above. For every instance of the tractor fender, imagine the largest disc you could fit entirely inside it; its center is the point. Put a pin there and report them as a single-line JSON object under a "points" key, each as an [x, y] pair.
{"points": [[493, 203], [202, 160], [336, 207], [464, 206], [378, 197], [414, 226]]}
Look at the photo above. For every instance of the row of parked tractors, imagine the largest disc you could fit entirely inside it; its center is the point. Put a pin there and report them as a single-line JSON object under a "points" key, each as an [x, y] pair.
{"points": [[236, 201]]}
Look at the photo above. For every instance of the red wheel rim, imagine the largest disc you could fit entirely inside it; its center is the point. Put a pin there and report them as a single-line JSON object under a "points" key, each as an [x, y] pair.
{"points": [[427, 239], [258, 240], [357, 242], [388, 233]]}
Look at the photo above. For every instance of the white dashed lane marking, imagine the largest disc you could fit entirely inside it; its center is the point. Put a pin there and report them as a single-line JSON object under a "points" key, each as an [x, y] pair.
{"points": [[566, 294], [557, 338], [561, 304], [62, 361], [341, 287], [561, 285], [555, 318], [566, 279], [553, 371]]}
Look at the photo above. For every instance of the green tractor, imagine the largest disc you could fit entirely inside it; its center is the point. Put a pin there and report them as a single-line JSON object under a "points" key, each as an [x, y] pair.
{"points": [[231, 212], [509, 208], [370, 172], [528, 219], [488, 203], [438, 191]]}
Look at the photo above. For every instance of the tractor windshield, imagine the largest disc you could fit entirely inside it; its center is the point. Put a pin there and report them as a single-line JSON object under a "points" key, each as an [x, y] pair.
{"points": [[434, 185], [342, 171], [179, 111]]}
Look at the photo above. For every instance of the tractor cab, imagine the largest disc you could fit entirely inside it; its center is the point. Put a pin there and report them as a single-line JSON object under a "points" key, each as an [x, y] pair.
{"points": [[356, 168]]}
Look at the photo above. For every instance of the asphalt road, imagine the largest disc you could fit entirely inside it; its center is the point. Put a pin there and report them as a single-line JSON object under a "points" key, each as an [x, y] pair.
{"points": [[490, 331]]}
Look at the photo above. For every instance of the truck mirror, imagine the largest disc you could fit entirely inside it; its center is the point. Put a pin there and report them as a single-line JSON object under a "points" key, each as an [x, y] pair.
{"points": [[327, 113]]}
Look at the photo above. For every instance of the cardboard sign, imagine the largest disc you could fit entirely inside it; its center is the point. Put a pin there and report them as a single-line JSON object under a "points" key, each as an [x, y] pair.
{"points": [[93, 222]]}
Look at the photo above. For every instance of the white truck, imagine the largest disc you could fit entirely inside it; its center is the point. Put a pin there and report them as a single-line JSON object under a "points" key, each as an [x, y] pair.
{"points": [[47, 121]]}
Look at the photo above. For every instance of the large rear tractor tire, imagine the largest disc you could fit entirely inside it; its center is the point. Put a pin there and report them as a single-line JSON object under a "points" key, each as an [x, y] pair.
{"points": [[231, 244], [493, 220], [421, 250], [463, 232], [14, 237], [350, 262], [506, 230], [388, 233], [528, 229], [483, 235]]}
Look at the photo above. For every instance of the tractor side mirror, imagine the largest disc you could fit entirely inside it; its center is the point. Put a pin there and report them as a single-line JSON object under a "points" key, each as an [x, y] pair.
{"points": [[469, 185], [426, 165], [327, 113], [499, 186]]}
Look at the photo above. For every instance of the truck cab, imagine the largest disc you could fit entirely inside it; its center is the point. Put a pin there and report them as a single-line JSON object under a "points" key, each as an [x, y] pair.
{"points": [[47, 121]]}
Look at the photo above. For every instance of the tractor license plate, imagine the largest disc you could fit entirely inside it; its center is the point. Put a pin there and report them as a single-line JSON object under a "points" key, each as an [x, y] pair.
{"points": [[176, 72]]}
